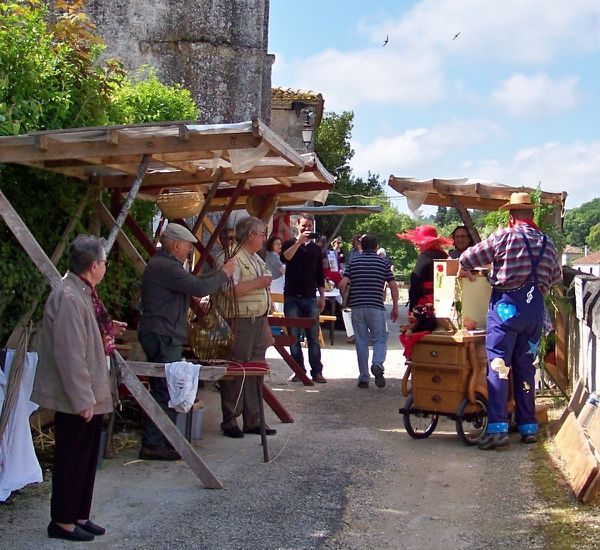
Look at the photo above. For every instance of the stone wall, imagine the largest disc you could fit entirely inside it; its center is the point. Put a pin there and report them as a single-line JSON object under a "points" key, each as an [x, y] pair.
{"points": [[215, 48]]}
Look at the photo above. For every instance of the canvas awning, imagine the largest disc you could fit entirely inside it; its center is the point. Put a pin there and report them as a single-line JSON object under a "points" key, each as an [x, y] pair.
{"points": [[469, 193], [329, 210], [182, 155]]}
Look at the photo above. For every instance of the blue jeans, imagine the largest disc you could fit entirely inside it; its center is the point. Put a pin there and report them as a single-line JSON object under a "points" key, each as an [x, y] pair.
{"points": [[367, 320], [305, 307]]}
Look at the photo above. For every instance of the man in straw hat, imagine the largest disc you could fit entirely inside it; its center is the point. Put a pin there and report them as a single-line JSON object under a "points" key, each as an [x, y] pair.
{"points": [[166, 292], [524, 266]]}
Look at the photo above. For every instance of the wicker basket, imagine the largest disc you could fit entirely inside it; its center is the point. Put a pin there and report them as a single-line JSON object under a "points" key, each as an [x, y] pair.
{"points": [[180, 203]]}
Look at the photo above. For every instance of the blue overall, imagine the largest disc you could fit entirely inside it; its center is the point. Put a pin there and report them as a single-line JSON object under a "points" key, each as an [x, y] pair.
{"points": [[514, 327]]}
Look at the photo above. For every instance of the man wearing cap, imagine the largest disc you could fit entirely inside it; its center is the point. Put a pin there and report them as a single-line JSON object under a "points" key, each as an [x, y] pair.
{"points": [[166, 292], [524, 266]]}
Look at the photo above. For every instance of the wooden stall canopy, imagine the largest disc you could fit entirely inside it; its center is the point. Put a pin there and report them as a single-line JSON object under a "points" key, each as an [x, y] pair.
{"points": [[183, 155], [472, 194]]}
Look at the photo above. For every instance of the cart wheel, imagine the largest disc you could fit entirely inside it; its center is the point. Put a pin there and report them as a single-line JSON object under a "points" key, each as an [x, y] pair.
{"points": [[418, 425], [472, 419]]}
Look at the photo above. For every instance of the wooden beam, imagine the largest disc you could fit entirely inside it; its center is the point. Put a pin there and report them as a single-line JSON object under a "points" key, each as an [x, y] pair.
{"points": [[28, 242], [135, 186], [465, 216], [186, 179], [50, 148], [165, 425], [126, 245], [220, 226], [15, 336], [208, 373]]}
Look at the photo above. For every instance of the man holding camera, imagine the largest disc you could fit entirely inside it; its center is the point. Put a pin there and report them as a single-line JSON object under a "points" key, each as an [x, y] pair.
{"points": [[303, 277]]}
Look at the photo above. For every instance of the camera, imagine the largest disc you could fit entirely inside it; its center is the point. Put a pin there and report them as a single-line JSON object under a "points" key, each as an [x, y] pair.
{"points": [[313, 235]]}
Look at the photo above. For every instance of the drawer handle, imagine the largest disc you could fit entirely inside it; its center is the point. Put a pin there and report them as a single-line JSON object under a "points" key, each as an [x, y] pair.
{"points": [[436, 379], [436, 398], [433, 353]]}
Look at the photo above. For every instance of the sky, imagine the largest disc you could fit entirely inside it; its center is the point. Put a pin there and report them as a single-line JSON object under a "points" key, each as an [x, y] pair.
{"points": [[495, 90]]}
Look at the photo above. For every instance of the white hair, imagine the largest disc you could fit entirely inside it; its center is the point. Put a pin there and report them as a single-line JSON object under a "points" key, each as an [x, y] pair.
{"points": [[381, 252]]}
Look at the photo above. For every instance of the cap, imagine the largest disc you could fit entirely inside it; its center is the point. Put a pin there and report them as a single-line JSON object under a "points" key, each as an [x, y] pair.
{"points": [[177, 232]]}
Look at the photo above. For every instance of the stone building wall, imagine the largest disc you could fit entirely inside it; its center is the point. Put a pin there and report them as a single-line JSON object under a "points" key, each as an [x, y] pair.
{"points": [[215, 48]]}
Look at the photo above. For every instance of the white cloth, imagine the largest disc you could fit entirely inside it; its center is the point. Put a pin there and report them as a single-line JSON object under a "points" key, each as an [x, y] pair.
{"points": [[18, 464], [182, 381]]}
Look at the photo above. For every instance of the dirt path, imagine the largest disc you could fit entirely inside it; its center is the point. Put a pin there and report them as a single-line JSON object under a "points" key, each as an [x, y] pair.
{"points": [[346, 476]]}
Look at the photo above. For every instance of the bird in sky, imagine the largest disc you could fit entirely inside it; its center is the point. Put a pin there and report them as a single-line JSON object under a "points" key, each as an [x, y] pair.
{"points": [[385, 41], [456, 35]]}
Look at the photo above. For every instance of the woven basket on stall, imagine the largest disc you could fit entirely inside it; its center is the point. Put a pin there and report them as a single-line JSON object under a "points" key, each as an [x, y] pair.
{"points": [[180, 203]]}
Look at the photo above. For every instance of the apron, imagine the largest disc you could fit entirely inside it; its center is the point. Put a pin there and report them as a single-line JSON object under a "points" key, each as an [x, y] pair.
{"points": [[514, 328]]}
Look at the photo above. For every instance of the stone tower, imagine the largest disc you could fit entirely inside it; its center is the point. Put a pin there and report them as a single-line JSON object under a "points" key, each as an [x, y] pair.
{"points": [[217, 49]]}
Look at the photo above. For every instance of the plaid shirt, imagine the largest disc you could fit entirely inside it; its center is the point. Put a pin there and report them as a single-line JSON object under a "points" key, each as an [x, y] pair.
{"points": [[511, 267]]}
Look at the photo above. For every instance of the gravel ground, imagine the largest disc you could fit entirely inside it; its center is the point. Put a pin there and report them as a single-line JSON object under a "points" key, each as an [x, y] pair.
{"points": [[344, 475]]}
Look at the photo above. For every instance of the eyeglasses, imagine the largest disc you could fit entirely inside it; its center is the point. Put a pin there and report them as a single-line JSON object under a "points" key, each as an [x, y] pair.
{"points": [[263, 234], [105, 262]]}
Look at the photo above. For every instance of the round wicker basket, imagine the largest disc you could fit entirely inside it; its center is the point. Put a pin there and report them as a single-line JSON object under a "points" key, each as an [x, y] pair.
{"points": [[180, 203]]}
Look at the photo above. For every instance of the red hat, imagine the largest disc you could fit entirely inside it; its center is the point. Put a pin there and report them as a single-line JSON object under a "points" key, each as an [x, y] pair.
{"points": [[424, 235]]}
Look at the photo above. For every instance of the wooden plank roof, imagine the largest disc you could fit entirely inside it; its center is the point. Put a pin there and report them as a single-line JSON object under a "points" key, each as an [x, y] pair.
{"points": [[470, 194], [183, 155]]}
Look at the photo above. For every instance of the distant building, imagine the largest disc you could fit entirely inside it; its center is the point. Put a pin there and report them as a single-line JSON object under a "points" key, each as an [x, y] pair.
{"points": [[571, 253], [293, 111], [589, 264]]}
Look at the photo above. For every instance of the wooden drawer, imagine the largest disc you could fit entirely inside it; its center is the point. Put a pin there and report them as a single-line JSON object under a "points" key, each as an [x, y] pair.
{"points": [[437, 354], [445, 379], [437, 400]]}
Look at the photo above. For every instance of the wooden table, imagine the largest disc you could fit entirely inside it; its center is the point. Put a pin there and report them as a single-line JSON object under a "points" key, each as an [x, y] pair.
{"points": [[283, 340]]}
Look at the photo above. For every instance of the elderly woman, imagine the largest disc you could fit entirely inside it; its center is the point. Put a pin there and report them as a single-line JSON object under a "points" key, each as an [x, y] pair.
{"points": [[429, 246], [72, 379]]}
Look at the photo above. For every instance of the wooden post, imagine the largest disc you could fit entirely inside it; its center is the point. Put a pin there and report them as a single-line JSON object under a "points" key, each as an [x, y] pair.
{"points": [[135, 186]]}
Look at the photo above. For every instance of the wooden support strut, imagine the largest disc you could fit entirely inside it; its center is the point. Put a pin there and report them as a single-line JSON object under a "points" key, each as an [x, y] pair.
{"points": [[467, 220], [213, 238], [135, 186], [137, 389]]}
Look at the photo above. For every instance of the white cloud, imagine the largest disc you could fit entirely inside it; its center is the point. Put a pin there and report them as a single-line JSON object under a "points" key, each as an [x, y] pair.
{"points": [[536, 95], [571, 167], [350, 79], [419, 150], [525, 32]]}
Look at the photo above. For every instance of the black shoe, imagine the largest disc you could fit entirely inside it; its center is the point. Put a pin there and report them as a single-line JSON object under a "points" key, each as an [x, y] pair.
{"points": [[377, 371], [529, 439], [55, 531], [363, 385], [493, 441], [92, 528], [319, 378], [146, 453], [268, 431], [234, 432]]}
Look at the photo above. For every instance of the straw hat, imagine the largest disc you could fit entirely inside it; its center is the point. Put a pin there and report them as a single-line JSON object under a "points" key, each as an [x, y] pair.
{"points": [[424, 235], [518, 201]]}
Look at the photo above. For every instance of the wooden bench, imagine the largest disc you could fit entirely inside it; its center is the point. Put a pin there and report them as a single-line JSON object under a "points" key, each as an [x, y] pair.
{"points": [[277, 298]]}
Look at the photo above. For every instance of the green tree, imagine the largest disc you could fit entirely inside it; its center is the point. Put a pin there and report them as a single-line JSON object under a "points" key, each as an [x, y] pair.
{"points": [[144, 98], [579, 221], [593, 238]]}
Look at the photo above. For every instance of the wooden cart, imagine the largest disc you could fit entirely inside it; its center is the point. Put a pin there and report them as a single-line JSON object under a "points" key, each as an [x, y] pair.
{"points": [[447, 377]]}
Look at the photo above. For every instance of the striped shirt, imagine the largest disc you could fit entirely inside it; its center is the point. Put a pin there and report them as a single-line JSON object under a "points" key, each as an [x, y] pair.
{"points": [[511, 267], [368, 274]]}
